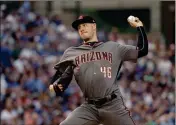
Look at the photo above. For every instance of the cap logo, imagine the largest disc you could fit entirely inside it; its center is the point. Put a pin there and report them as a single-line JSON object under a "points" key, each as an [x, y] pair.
{"points": [[80, 17]]}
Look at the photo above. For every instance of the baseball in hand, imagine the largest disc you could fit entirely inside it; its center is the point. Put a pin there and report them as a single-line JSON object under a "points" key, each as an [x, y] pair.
{"points": [[131, 18], [134, 21]]}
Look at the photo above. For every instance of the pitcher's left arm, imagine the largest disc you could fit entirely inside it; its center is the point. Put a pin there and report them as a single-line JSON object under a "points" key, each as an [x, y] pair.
{"points": [[61, 79]]}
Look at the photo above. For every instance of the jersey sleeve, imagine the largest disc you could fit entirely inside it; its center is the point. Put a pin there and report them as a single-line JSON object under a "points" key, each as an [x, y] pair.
{"points": [[65, 60], [128, 52]]}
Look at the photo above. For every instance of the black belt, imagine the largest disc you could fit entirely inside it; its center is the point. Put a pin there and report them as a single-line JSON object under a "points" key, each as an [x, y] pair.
{"points": [[101, 101]]}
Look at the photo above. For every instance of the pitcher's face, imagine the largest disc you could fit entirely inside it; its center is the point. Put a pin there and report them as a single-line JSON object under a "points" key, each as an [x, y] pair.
{"points": [[86, 30]]}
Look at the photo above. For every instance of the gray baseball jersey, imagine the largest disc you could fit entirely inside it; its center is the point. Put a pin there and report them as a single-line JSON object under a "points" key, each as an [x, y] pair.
{"points": [[97, 66], [96, 70]]}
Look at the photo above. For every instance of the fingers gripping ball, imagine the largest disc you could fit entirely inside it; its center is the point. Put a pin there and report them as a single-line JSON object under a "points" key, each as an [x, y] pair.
{"points": [[134, 21]]}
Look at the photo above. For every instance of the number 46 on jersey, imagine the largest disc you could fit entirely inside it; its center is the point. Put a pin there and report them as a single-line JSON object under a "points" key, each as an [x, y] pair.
{"points": [[106, 71]]}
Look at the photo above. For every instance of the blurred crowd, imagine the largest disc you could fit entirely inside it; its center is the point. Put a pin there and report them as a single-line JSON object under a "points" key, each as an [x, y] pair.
{"points": [[30, 46]]}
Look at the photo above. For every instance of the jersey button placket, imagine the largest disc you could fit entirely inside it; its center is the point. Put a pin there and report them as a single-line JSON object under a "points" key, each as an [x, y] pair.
{"points": [[93, 73]]}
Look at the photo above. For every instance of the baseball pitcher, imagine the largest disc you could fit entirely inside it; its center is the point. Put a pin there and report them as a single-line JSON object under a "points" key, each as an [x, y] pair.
{"points": [[95, 66]]}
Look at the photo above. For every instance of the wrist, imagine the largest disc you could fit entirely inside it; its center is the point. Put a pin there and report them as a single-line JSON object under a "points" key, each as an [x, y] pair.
{"points": [[140, 25]]}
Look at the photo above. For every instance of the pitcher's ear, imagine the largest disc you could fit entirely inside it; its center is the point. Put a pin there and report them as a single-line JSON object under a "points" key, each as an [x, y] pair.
{"points": [[94, 26]]}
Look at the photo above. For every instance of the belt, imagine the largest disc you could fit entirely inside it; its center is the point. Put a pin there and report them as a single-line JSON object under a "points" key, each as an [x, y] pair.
{"points": [[101, 101]]}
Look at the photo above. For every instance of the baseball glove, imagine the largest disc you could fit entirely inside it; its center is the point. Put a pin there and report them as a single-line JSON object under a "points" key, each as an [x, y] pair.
{"points": [[63, 77]]}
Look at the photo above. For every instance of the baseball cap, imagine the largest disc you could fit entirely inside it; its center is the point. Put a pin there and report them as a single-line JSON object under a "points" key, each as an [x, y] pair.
{"points": [[82, 19]]}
